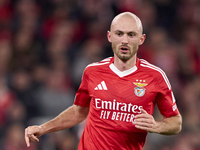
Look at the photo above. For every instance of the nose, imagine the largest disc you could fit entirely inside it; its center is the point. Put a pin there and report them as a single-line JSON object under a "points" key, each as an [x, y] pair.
{"points": [[125, 39]]}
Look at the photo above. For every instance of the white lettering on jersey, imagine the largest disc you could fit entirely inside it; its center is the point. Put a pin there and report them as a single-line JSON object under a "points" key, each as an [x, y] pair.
{"points": [[174, 107], [114, 105], [115, 110]]}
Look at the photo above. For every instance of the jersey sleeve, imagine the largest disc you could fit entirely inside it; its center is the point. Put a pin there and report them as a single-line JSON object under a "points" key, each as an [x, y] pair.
{"points": [[82, 97], [165, 98]]}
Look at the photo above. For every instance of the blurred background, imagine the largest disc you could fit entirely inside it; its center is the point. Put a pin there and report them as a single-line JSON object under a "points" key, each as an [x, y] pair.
{"points": [[46, 44]]}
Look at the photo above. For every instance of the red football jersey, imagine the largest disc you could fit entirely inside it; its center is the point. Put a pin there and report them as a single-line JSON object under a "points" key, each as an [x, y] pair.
{"points": [[115, 97]]}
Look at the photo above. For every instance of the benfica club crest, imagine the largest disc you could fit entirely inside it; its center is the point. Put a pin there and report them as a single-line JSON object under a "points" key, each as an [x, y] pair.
{"points": [[139, 90]]}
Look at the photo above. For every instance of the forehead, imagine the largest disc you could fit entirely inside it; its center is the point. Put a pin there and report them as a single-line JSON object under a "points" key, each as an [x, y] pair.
{"points": [[126, 23]]}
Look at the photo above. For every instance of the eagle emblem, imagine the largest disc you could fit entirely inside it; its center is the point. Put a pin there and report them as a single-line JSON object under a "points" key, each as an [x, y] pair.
{"points": [[139, 90]]}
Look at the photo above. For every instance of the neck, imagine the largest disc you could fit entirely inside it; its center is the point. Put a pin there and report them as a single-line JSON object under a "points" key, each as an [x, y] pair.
{"points": [[122, 66]]}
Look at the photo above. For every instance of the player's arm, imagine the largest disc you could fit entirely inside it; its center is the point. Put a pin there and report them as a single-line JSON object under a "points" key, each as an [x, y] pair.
{"points": [[68, 118], [168, 126]]}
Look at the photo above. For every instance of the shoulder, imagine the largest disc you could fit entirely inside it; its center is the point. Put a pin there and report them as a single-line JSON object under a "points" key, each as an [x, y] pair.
{"points": [[156, 72], [98, 65], [145, 65]]}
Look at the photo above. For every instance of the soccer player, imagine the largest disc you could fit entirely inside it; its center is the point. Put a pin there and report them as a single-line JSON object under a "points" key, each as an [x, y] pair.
{"points": [[117, 96]]}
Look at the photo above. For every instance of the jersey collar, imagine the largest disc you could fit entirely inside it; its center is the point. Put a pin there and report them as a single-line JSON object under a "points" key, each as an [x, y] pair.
{"points": [[123, 73]]}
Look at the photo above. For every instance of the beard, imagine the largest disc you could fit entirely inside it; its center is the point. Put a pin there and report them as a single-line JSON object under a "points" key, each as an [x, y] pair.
{"points": [[124, 56]]}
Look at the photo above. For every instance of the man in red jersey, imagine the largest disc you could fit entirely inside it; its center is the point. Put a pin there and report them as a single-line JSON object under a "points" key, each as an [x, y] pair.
{"points": [[117, 96]]}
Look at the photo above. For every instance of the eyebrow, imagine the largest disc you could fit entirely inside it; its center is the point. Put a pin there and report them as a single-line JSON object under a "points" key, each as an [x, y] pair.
{"points": [[126, 32]]}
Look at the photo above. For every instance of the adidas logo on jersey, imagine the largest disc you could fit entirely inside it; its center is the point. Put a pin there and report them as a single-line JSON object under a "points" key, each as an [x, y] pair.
{"points": [[101, 86]]}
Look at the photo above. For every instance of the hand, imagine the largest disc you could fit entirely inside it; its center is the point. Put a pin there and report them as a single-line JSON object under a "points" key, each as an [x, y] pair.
{"points": [[32, 133], [145, 121]]}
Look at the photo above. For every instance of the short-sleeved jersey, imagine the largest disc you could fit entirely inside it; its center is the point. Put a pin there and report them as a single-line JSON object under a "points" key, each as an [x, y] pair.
{"points": [[115, 98]]}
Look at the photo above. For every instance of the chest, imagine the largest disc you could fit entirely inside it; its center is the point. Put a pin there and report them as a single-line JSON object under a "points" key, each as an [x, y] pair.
{"points": [[137, 88]]}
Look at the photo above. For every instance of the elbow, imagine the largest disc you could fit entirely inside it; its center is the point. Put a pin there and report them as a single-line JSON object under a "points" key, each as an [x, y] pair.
{"points": [[179, 128], [179, 124]]}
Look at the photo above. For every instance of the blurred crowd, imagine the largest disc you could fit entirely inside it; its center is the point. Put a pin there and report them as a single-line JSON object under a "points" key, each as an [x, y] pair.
{"points": [[46, 44]]}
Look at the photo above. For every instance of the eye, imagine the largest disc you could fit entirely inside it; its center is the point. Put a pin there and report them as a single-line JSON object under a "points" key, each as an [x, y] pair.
{"points": [[119, 33], [131, 34]]}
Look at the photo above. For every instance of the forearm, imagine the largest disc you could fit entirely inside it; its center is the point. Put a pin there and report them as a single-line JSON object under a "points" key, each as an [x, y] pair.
{"points": [[170, 126], [67, 119]]}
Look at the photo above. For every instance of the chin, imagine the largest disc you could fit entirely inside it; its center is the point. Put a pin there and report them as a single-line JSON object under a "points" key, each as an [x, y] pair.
{"points": [[124, 58]]}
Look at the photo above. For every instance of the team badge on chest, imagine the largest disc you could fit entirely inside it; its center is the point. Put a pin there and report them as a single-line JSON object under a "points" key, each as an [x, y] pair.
{"points": [[140, 90]]}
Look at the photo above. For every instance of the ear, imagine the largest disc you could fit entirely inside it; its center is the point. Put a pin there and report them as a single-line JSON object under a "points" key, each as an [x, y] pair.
{"points": [[142, 39], [109, 36]]}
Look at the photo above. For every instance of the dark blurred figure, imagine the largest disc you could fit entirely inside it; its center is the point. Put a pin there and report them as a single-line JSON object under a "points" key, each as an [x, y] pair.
{"points": [[22, 85], [91, 51], [14, 138]]}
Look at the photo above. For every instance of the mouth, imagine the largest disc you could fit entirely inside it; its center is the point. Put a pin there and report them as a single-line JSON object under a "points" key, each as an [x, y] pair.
{"points": [[124, 49]]}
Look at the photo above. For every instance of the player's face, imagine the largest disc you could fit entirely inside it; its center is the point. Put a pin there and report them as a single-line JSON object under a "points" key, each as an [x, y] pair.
{"points": [[125, 36]]}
